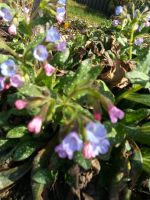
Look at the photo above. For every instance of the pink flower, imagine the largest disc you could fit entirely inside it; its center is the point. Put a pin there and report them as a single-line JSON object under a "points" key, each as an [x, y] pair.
{"points": [[97, 116], [16, 80], [35, 125], [88, 151], [49, 69], [12, 30], [147, 24], [7, 86], [115, 113], [21, 104], [60, 19]]}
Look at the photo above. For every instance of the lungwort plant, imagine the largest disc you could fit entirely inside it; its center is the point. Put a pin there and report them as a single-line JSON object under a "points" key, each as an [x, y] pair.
{"points": [[59, 120]]}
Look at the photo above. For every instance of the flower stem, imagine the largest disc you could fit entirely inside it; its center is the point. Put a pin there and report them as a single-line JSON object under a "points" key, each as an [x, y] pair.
{"points": [[131, 43]]}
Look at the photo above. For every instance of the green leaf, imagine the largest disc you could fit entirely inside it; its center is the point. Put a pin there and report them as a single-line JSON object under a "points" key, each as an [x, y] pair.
{"points": [[5, 144], [37, 190], [140, 134], [139, 98], [31, 90], [116, 133], [25, 150], [146, 159], [105, 90], [4, 116], [17, 132], [135, 116], [25, 28], [144, 66], [85, 73], [44, 176], [136, 161], [9, 177], [39, 39], [3, 58], [86, 164], [141, 74], [137, 77], [60, 58]]}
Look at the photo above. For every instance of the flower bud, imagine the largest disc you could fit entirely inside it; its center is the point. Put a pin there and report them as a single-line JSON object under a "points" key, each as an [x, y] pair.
{"points": [[97, 116], [12, 30], [87, 151], [21, 104], [115, 113], [35, 124], [49, 69]]}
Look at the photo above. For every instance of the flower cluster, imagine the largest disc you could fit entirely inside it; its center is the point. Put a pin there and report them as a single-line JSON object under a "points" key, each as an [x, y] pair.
{"points": [[40, 52], [9, 76], [96, 142], [7, 17], [61, 11], [34, 126]]}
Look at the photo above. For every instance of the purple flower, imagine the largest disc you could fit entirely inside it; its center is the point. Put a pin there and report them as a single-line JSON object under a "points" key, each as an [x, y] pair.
{"points": [[40, 53], [61, 46], [138, 41], [97, 136], [5, 14], [63, 2], [118, 10], [61, 11], [69, 145], [2, 83], [115, 113], [8, 68], [115, 22], [52, 35], [16, 80]]}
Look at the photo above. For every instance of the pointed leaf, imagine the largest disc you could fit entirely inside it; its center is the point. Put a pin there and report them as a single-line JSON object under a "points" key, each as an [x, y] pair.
{"points": [[17, 132], [146, 159], [9, 177], [25, 150], [139, 98], [86, 164], [44, 176]]}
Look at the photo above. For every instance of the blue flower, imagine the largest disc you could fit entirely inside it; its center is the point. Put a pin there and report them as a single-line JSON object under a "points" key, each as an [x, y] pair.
{"points": [[52, 35], [97, 136], [40, 53], [138, 41], [69, 145], [63, 2], [8, 68], [61, 11], [118, 10], [5, 14], [2, 83]]}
